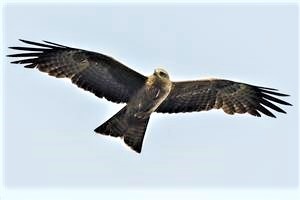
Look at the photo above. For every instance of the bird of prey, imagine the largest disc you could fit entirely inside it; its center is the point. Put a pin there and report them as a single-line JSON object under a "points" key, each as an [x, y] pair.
{"points": [[106, 77]]}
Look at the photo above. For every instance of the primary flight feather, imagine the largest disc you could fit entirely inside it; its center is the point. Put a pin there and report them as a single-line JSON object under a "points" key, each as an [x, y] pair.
{"points": [[108, 78]]}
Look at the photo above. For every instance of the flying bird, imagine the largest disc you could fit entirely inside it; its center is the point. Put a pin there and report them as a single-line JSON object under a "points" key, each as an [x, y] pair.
{"points": [[108, 78]]}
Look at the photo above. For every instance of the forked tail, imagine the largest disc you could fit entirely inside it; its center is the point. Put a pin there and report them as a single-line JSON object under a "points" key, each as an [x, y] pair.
{"points": [[130, 128]]}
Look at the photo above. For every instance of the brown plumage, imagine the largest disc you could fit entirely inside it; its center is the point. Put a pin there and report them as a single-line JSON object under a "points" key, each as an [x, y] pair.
{"points": [[108, 78], [232, 97]]}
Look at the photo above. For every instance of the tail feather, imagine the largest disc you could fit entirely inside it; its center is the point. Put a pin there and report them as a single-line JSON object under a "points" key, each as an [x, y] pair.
{"points": [[130, 128], [135, 134]]}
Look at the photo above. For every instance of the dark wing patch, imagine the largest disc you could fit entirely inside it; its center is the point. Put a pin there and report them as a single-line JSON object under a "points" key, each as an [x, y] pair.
{"points": [[232, 97], [95, 72]]}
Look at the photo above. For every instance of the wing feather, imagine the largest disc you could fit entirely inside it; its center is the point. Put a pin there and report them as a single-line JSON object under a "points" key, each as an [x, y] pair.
{"points": [[95, 72], [232, 97]]}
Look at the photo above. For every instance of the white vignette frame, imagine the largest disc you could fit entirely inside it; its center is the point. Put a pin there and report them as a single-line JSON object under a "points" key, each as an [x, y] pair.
{"points": [[175, 193]]}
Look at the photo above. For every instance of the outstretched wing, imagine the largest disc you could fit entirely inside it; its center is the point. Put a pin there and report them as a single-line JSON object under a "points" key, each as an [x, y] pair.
{"points": [[232, 97], [95, 72]]}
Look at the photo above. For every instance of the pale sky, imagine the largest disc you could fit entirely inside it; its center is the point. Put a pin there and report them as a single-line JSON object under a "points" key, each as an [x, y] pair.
{"points": [[49, 123]]}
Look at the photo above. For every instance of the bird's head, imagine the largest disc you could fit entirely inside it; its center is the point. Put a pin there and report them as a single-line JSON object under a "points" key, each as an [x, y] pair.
{"points": [[161, 73]]}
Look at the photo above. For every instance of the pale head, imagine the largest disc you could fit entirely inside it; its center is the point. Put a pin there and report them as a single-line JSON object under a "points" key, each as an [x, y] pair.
{"points": [[161, 73]]}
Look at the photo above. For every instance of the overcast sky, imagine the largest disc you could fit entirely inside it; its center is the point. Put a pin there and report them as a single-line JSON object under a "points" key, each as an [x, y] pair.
{"points": [[49, 123]]}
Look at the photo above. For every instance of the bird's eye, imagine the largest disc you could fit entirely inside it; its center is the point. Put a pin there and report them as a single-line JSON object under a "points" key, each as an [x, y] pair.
{"points": [[163, 74]]}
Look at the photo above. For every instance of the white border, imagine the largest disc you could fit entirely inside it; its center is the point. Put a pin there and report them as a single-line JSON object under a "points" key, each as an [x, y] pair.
{"points": [[152, 1]]}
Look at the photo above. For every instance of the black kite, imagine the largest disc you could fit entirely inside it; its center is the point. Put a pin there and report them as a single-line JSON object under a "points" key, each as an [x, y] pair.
{"points": [[108, 78]]}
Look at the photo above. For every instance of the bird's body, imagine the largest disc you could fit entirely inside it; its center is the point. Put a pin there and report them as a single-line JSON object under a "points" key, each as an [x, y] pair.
{"points": [[155, 91], [106, 77], [131, 122]]}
